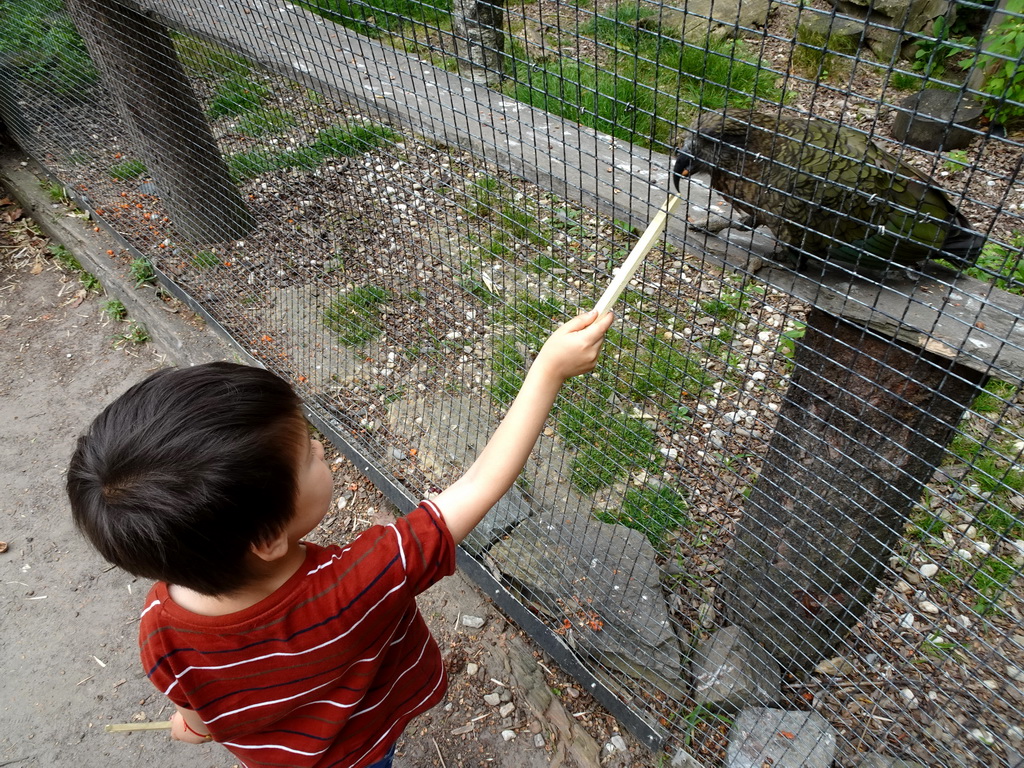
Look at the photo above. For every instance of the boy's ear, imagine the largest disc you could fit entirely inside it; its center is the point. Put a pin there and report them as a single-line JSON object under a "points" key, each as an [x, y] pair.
{"points": [[271, 549]]}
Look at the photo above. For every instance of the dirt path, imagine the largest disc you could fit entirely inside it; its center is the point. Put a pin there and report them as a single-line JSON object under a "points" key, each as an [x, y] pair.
{"points": [[67, 635]]}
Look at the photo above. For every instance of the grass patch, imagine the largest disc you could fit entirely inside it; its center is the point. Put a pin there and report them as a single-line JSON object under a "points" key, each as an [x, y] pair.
{"points": [[336, 141], [141, 272], [654, 511], [39, 41], [546, 264], [264, 121], [926, 525], [660, 371], [356, 316], [652, 82], [56, 192], [1001, 265], [67, 260], [992, 581], [128, 170], [483, 196], [115, 310], [204, 260], [136, 335], [617, 445], [237, 94], [378, 18], [508, 368], [518, 222]]}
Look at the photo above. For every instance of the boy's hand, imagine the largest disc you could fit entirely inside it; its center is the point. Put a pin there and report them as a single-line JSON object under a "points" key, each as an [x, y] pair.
{"points": [[574, 347], [181, 730]]}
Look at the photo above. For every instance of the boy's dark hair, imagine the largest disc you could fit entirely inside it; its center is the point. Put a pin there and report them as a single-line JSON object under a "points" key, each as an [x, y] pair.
{"points": [[178, 477]]}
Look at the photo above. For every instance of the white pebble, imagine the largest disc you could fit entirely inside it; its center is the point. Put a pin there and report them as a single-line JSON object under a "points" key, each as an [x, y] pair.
{"points": [[508, 734], [928, 570], [985, 737], [928, 607]]}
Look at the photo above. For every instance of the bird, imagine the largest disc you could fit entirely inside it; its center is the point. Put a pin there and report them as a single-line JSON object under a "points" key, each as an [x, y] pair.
{"points": [[827, 191]]}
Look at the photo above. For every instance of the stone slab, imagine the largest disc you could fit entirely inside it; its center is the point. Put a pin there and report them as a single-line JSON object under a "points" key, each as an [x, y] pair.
{"points": [[601, 583], [731, 670], [782, 739]]}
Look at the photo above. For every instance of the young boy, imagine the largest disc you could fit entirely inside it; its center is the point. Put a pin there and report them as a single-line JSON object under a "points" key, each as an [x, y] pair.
{"points": [[288, 653]]}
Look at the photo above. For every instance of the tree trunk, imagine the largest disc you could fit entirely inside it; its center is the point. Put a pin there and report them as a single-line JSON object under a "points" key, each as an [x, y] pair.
{"points": [[136, 58], [480, 39], [12, 118], [863, 425]]}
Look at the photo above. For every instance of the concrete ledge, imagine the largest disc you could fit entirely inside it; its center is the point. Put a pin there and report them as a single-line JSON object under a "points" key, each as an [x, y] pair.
{"points": [[183, 336]]}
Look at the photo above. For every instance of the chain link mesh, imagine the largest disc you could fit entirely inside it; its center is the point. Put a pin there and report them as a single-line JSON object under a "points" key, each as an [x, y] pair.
{"points": [[783, 522]]}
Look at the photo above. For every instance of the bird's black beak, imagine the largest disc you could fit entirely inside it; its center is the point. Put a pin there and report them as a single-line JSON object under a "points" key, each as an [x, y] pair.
{"points": [[682, 165]]}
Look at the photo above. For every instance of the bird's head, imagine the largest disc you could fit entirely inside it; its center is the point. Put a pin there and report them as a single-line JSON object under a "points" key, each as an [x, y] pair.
{"points": [[683, 164], [713, 142]]}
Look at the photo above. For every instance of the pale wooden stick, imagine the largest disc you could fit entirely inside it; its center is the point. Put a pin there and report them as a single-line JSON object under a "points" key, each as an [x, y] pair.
{"points": [[158, 725], [643, 246]]}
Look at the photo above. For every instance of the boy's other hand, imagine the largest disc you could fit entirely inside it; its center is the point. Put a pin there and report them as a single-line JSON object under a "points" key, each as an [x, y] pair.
{"points": [[182, 731], [575, 346]]}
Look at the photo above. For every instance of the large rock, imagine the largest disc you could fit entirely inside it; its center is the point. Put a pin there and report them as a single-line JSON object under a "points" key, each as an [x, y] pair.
{"points": [[937, 120], [761, 736], [889, 24], [511, 509], [875, 760], [599, 583], [731, 670], [714, 19]]}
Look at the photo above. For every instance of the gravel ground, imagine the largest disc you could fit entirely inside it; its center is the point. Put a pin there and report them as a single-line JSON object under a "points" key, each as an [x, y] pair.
{"points": [[911, 683]]}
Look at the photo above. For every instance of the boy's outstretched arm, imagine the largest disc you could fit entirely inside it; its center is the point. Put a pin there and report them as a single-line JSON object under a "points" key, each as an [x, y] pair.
{"points": [[569, 351]]}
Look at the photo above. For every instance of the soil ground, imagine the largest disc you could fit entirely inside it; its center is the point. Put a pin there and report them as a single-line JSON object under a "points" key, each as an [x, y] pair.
{"points": [[68, 634]]}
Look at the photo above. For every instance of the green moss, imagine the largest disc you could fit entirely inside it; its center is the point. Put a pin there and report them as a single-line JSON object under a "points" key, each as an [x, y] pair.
{"points": [[263, 122], [205, 260], [127, 170], [992, 581], [610, 447], [237, 94], [335, 141], [654, 511], [356, 316]]}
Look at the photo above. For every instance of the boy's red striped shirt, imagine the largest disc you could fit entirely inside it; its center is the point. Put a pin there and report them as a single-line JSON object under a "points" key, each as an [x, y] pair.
{"points": [[329, 669]]}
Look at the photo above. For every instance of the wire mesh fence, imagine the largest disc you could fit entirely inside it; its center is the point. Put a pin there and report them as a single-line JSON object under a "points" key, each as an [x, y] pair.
{"points": [[783, 522]]}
